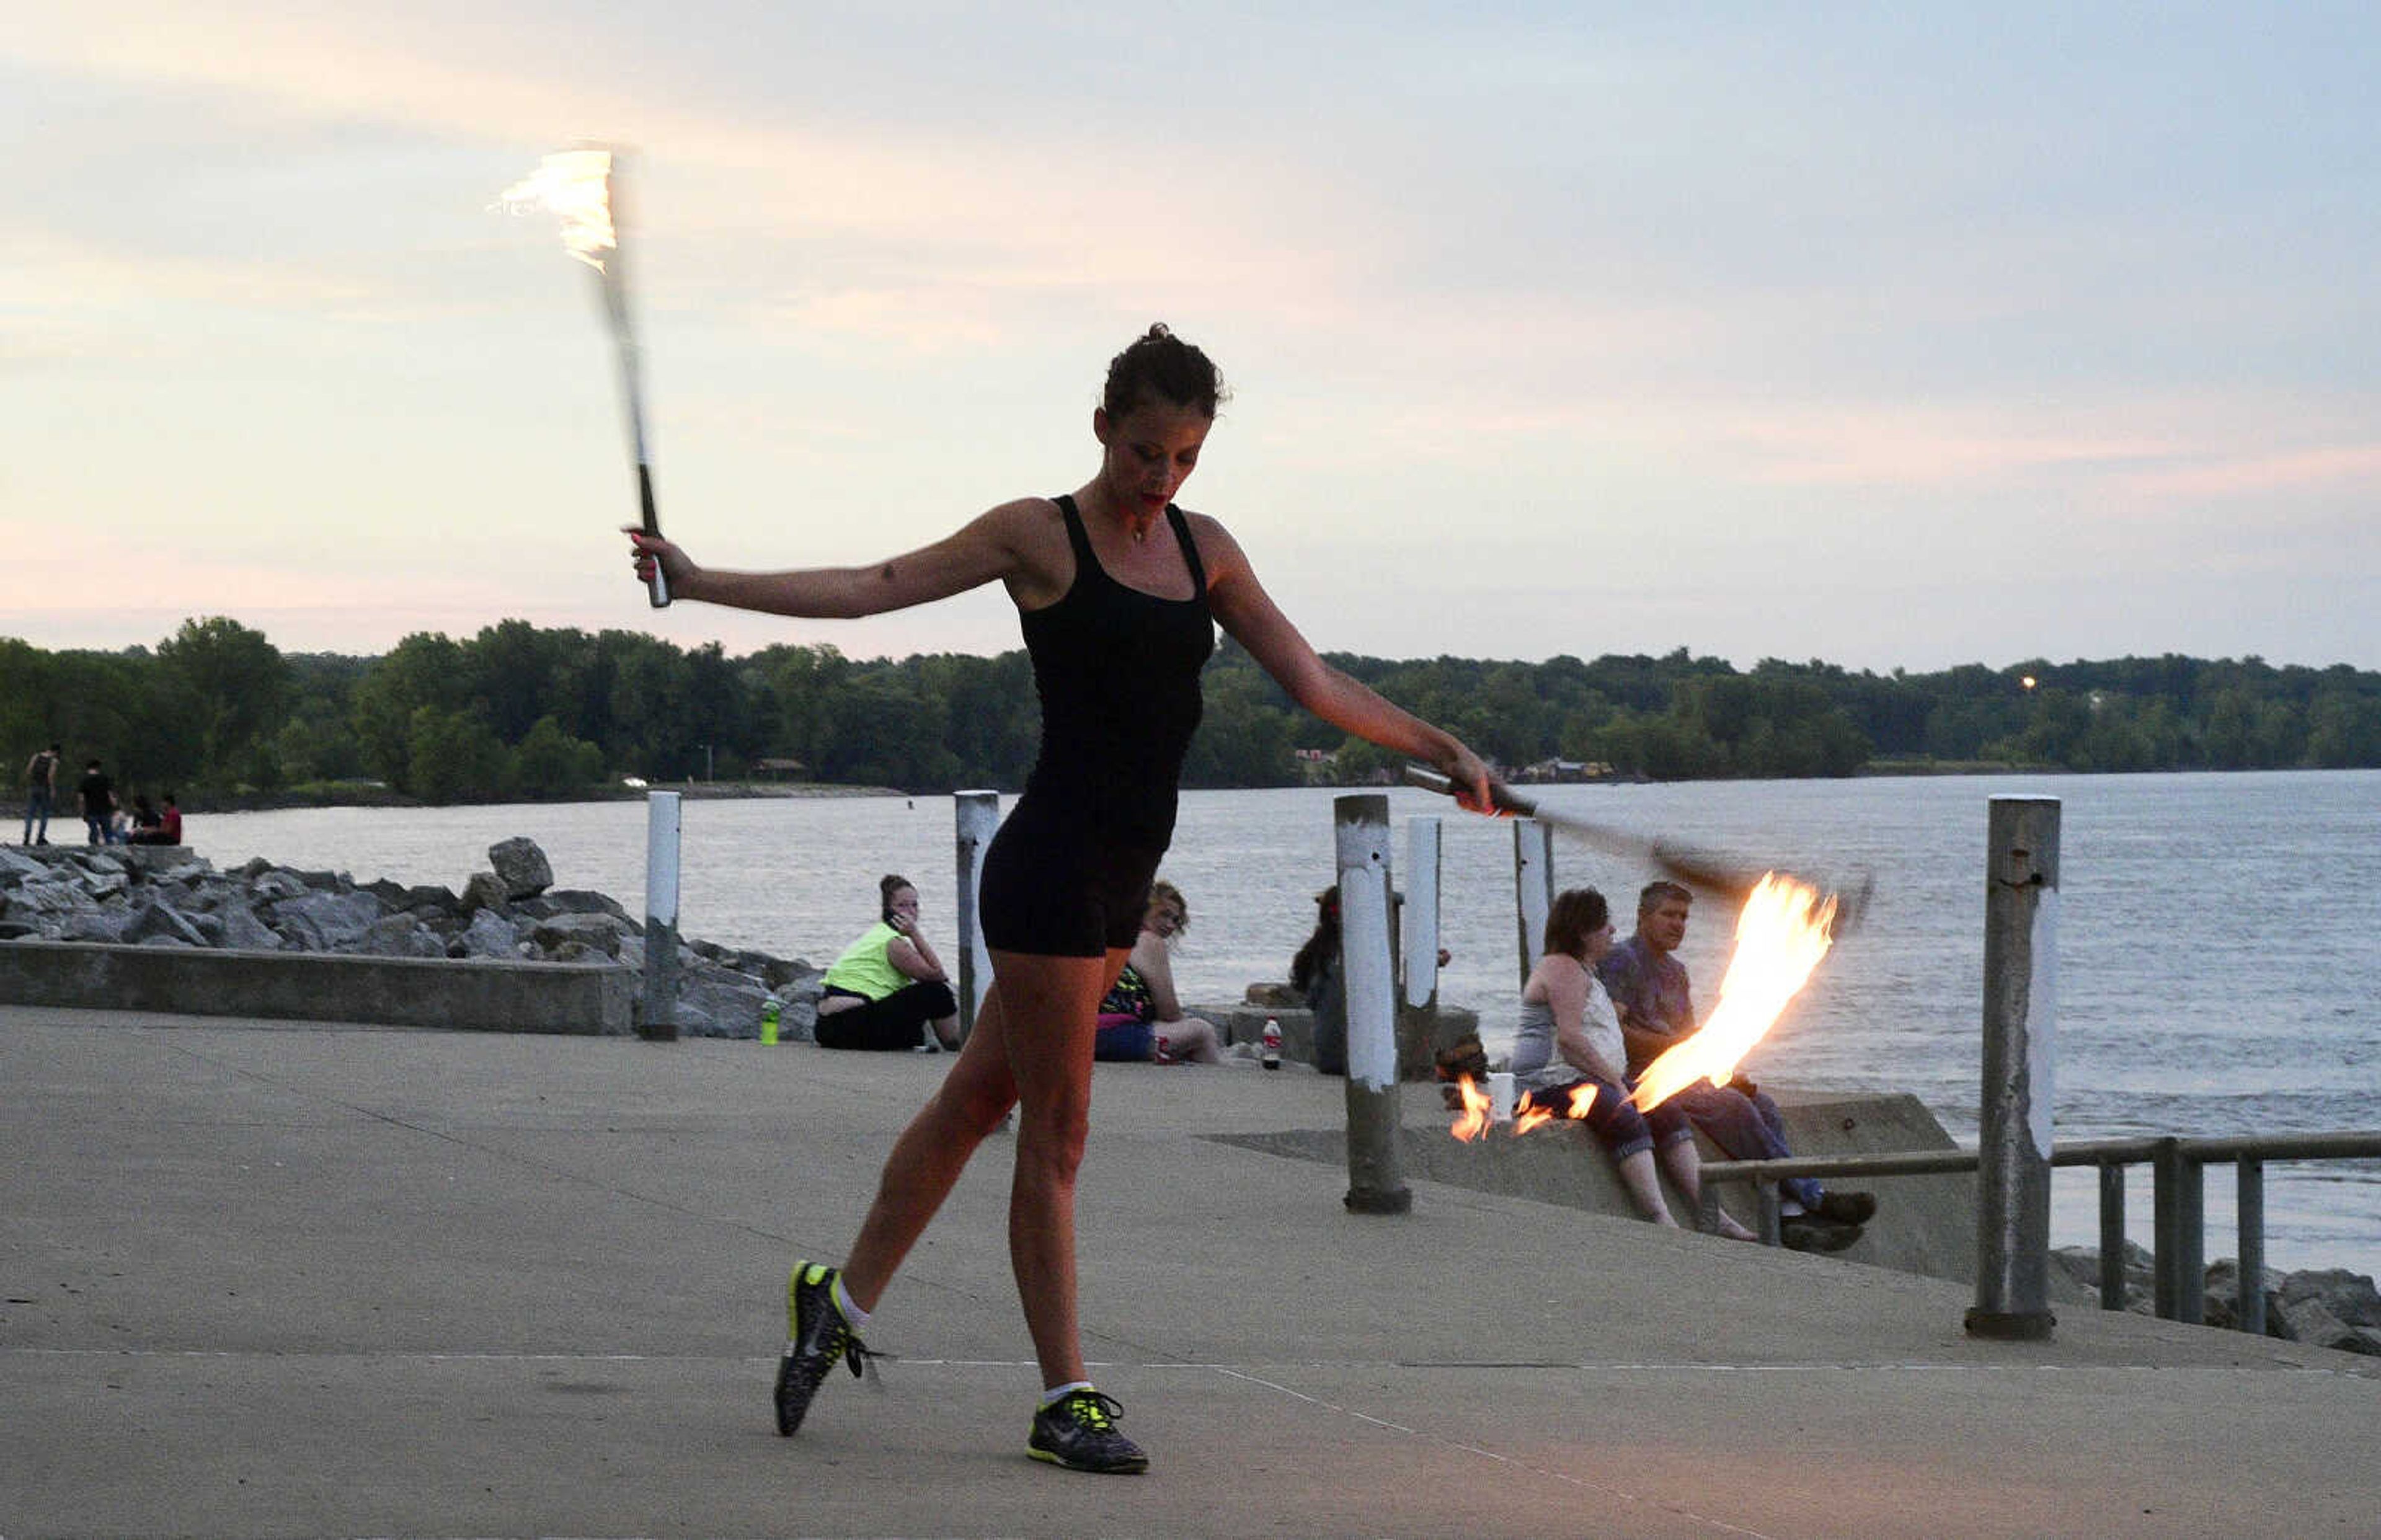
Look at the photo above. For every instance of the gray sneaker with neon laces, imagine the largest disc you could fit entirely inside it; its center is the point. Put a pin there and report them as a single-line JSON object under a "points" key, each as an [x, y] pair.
{"points": [[1079, 1431], [817, 1334]]}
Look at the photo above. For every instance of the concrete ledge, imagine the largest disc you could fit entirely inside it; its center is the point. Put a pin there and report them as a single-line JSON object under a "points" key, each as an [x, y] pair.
{"points": [[469, 995], [1924, 1224], [149, 857]]}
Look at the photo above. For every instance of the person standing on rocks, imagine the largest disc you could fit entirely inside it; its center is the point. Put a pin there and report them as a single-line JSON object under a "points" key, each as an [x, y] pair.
{"points": [[41, 793], [1119, 593], [95, 795]]}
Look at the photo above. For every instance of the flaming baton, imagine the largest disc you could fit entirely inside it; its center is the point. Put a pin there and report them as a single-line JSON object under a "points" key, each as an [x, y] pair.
{"points": [[1732, 880], [581, 185]]}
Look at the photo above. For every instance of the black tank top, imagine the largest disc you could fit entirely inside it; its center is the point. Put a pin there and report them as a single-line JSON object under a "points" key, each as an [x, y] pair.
{"points": [[1118, 672]]}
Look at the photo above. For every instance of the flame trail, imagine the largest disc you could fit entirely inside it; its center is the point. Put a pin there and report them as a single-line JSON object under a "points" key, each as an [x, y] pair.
{"points": [[1780, 937]]}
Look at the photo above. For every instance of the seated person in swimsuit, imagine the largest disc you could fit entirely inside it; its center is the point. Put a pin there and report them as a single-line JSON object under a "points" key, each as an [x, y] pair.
{"points": [[888, 986], [1570, 1038], [1142, 1008]]}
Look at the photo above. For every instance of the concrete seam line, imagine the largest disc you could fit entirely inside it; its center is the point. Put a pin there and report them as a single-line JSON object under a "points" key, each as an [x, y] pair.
{"points": [[1461, 1448]]}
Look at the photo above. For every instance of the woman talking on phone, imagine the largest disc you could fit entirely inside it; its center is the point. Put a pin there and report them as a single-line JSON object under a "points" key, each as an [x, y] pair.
{"points": [[888, 988], [1119, 593]]}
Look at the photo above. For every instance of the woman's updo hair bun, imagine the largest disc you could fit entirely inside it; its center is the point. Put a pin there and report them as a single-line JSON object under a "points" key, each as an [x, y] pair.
{"points": [[1162, 366]]}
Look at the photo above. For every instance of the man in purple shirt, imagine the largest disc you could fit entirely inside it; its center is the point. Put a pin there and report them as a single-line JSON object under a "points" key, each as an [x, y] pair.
{"points": [[1657, 1008]]}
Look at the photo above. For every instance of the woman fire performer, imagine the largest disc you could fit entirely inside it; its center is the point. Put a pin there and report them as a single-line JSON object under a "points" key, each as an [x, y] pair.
{"points": [[1118, 620]]}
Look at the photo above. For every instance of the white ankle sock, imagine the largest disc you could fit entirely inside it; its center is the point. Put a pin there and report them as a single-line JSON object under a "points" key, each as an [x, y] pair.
{"points": [[1052, 1396]]}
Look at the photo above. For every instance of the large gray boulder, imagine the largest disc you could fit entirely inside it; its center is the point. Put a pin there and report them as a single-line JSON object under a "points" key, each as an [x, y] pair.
{"points": [[162, 922], [717, 1002], [489, 935], [521, 866], [93, 923], [274, 883], [397, 935], [589, 932], [242, 930], [484, 891], [324, 921]]}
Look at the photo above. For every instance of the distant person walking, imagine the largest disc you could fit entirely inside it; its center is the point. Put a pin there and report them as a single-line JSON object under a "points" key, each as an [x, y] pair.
{"points": [[1119, 594], [96, 796], [40, 794]]}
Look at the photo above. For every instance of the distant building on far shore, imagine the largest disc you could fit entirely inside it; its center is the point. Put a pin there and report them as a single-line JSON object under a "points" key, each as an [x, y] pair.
{"points": [[1560, 770]]}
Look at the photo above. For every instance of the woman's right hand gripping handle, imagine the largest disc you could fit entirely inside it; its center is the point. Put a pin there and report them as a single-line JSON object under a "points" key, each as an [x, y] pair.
{"points": [[651, 555]]}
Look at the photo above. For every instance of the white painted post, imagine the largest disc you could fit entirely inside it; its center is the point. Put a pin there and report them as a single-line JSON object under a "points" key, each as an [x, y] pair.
{"points": [[1374, 1183], [2020, 1042], [661, 917], [1420, 917], [978, 816], [1533, 887]]}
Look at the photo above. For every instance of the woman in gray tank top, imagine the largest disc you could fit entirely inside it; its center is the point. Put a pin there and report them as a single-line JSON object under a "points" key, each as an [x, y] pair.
{"points": [[1570, 1042]]}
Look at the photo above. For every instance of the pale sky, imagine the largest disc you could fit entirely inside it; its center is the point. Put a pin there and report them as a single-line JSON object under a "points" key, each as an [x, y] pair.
{"points": [[1907, 335]]}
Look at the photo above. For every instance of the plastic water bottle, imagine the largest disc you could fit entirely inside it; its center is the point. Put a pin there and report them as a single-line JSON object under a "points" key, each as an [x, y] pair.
{"points": [[771, 1008], [1271, 1043]]}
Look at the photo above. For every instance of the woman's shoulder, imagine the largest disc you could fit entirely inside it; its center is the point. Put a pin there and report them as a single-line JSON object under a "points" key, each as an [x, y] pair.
{"points": [[1215, 541]]}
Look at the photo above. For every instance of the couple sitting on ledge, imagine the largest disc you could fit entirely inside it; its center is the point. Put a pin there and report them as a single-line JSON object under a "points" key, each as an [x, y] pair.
{"points": [[1593, 1013]]}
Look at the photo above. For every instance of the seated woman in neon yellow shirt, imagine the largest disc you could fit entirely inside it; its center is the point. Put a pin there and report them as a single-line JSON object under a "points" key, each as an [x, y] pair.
{"points": [[888, 988]]}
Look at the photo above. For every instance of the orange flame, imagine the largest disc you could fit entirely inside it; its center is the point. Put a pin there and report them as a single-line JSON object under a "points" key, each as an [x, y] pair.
{"points": [[1472, 1123], [577, 185], [1781, 937], [1474, 1120]]}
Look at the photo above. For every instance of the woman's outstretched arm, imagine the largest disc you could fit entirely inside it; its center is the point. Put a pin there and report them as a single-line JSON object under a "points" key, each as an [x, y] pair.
{"points": [[1008, 543]]}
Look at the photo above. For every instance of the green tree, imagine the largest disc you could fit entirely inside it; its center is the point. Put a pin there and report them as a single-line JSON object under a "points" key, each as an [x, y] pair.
{"points": [[549, 762], [235, 686]]}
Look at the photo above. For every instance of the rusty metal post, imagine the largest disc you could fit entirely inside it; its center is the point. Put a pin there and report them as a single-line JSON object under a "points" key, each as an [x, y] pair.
{"points": [[2020, 1038]]}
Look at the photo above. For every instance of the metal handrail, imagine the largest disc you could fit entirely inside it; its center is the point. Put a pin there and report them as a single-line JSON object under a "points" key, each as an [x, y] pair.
{"points": [[2179, 1224]]}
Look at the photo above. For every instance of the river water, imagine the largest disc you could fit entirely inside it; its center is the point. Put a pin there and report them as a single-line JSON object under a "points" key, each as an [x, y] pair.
{"points": [[2219, 937]]}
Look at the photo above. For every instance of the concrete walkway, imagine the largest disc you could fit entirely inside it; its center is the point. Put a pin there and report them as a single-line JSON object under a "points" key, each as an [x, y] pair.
{"points": [[267, 1279]]}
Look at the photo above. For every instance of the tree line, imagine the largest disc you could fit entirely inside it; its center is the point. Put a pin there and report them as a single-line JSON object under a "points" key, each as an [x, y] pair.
{"points": [[219, 713]]}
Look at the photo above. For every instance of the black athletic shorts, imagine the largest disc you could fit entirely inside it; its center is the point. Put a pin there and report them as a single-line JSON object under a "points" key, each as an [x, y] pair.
{"points": [[1052, 889]]}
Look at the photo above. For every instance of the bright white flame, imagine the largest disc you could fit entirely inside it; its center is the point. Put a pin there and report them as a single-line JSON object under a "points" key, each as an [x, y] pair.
{"points": [[1781, 937], [577, 185]]}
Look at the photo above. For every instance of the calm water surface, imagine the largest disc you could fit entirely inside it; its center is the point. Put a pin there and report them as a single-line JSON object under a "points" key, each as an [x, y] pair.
{"points": [[2219, 935]]}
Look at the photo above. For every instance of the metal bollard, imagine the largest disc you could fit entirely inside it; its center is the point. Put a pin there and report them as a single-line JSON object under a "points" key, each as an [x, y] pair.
{"points": [[2112, 1235], [1534, 887], [1375, 1185], [977, 814], [2180, 1216], [2020, 1020], [2249, 1310], [660, 1024]]}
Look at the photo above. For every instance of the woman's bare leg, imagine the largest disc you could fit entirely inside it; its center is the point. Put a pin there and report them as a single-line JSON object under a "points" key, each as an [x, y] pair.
{"points": [[931, 1152], [1194, 1039], [1645, 1187], [1051, 1006], [1686, 1169]]}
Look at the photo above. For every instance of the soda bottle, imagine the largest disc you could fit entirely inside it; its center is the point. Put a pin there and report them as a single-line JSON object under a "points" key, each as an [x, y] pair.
{"points": [[1165, 1049], [771, 1008], [1271, 1043]]}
